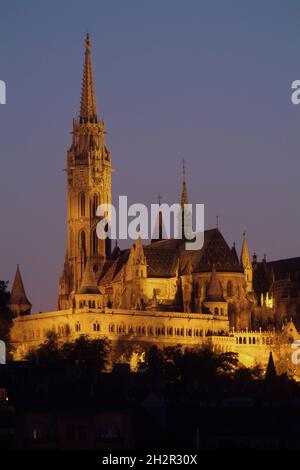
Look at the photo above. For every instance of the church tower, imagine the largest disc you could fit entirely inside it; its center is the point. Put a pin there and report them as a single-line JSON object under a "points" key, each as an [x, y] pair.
{"points": [[89, 185]]}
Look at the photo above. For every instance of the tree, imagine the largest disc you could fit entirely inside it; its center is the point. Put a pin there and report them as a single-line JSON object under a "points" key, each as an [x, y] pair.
{"points": [[248, 374], [87, 352], [153, 363], [48, 353], [81, 352], [5, 316], [175, 365]]}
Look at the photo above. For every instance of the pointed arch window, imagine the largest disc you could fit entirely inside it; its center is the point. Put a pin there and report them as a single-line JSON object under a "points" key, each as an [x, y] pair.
{"points": [[71, 242], [229, 289], [82, 242], [95, 204], [82, 204], [94, 242]]}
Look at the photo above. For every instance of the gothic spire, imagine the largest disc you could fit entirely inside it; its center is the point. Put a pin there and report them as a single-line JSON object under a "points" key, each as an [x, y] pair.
{"points": [[245, 257], [184, 193], [88, 110], [159, 229]]}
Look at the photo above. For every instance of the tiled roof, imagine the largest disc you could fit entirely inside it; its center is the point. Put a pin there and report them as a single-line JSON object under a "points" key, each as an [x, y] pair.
{"points": [[165, 257], [112, 269]]}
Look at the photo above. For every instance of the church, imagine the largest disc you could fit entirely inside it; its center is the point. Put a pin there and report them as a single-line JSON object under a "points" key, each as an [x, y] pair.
{"points": [[159, 292]]}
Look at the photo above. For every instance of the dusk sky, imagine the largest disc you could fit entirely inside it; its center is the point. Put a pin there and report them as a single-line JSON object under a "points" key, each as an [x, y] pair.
{"points": [[208, 81]]}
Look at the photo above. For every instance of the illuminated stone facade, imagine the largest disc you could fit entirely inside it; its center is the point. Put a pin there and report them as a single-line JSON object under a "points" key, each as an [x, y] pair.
{"points": [[155, 293]]}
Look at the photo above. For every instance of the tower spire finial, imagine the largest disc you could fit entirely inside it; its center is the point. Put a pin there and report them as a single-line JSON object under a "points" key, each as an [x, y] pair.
{"points": [[184, 193], [88, 109], [87, 43]]}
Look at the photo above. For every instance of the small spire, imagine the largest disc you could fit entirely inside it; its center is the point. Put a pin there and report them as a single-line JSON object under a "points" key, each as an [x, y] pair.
{"points": [[245, 256], [159, 229], [184, 194], [88, 110]]}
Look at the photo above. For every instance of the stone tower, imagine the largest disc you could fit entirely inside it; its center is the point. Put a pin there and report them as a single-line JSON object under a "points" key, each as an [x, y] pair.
{"points": [[89, 184]]}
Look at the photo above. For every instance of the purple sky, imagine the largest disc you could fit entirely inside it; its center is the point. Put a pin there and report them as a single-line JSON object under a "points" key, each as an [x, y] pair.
{"points": [[206, 81]]}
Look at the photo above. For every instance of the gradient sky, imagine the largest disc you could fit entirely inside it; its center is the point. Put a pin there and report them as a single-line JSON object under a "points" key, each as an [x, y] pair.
{"points": [[208, 81]]}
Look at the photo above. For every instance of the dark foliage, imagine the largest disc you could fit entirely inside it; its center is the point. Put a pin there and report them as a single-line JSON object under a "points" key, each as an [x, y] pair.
{"points": [[203, 365], [5, 316], [82, 352]]}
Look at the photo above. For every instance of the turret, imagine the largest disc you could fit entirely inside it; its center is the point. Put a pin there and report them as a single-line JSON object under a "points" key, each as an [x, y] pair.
{"points": [[18, 302], [214, 299], [88, 283], [89, 295]]}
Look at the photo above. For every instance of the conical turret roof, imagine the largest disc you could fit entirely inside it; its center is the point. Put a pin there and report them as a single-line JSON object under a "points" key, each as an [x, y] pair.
{"points": [[89, 283], [18, 295], [214, 288]]}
